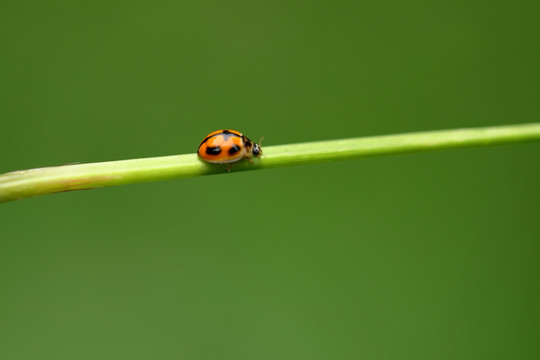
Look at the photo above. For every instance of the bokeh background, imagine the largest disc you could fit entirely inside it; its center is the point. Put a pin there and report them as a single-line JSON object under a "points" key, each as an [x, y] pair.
{"points": [[420, 256]]}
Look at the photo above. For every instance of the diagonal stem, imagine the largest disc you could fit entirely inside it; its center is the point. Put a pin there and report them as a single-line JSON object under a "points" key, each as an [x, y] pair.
{"points": [[33, 182]]}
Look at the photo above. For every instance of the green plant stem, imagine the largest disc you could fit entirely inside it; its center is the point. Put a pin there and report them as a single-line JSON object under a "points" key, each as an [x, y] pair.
{"points": [[28, 183]]}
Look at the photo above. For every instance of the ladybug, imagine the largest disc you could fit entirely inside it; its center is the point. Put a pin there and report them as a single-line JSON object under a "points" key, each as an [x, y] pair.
{"points": [[227, 147]]}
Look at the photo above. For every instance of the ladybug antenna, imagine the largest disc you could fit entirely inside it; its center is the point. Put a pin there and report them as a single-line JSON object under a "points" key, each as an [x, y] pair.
{"points": [[260, 141]]}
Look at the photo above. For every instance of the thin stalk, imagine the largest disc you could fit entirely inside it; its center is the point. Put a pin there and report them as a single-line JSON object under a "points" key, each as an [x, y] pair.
{"points": [[33, 182]]}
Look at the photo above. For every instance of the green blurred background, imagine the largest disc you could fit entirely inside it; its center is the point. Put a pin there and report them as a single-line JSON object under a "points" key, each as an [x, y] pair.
{"points": [[419, 256]]}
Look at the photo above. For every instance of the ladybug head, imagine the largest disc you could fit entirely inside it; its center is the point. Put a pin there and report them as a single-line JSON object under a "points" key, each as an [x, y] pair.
{"points": [[257, 151]]}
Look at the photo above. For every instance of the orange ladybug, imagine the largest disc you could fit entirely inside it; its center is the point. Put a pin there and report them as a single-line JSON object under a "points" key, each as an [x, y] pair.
{"points": [[227, 147]]}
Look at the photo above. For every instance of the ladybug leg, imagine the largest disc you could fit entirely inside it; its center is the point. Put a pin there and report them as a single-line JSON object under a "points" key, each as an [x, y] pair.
{"points": [[229, 167], [250, 161]]}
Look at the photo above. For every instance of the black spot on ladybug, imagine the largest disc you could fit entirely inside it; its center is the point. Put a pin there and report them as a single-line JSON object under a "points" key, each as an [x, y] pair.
{"points": [[226, 134], [234, 149], [214, 150], [248, 143]]}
